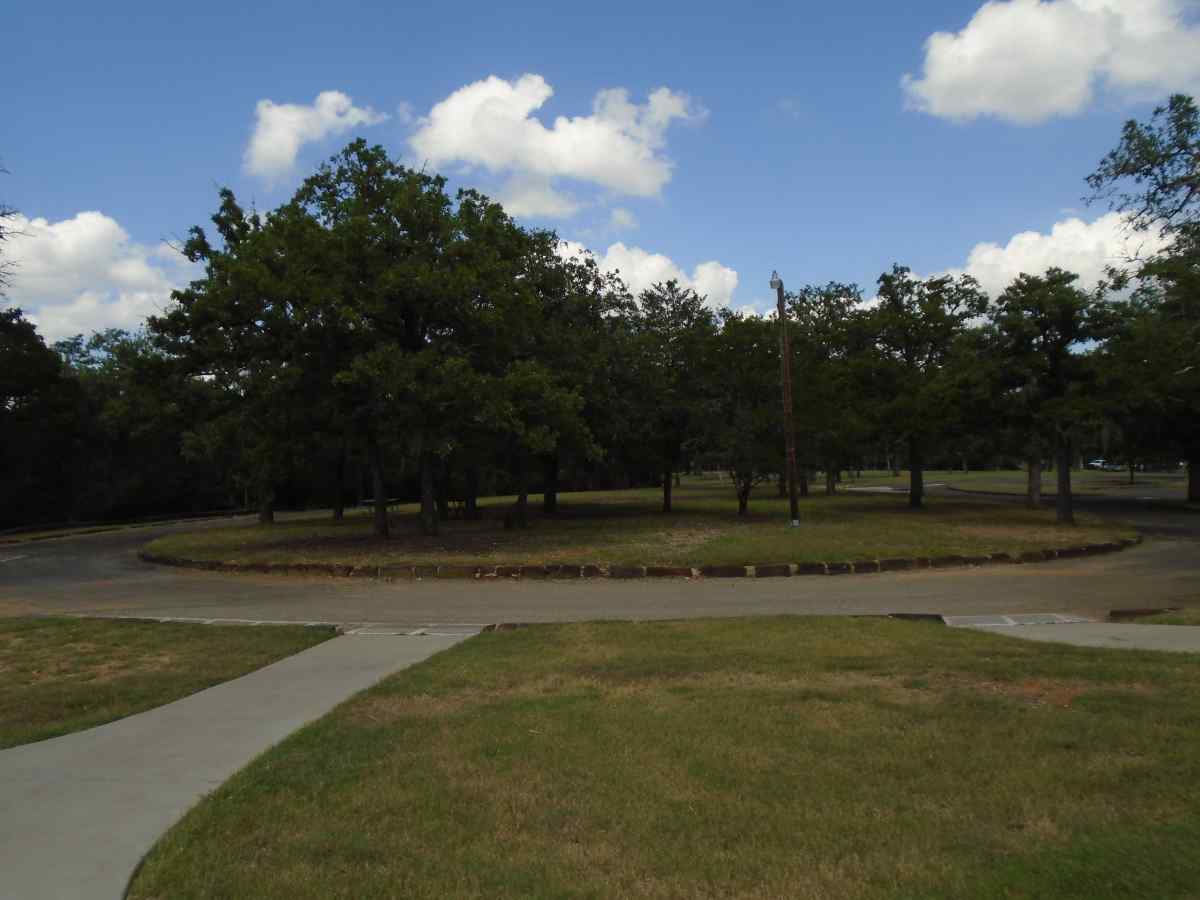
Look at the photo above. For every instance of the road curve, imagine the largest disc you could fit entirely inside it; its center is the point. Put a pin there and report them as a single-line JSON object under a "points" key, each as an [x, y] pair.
{"points": [[101, 574]]}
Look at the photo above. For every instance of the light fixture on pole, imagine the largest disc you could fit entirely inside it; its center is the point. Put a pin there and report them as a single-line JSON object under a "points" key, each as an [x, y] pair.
{"points": [[785, 375]]}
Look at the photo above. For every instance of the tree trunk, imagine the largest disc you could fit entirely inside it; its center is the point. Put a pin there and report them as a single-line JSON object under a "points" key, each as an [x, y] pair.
{"points": [[667, 490], [339, 488], [1063, 505], [781, 485], [1193, 493], [472, 511], [1033, 489], [550, 492], [830, 482], [428, 517], [743, 495], [378, 489], [1131, 468], [441, 491], [803, 485], [266, 506], [916, 480], [520, 513]]}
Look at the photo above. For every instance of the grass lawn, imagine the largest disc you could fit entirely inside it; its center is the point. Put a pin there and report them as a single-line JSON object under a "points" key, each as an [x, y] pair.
{"points": [[64, 675], [1181, 617], [787, 757], [1160, 485], [25, 537], [625, 527]]}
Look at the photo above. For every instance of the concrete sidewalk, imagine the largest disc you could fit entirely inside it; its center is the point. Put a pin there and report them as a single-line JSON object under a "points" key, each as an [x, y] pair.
{"points": [[77, 813], [1082, 631], [1110, 635]]}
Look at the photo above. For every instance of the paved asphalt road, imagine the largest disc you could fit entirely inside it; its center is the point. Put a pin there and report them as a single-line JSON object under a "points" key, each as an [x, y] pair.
{"points": [[100, 573], [69, 790]]}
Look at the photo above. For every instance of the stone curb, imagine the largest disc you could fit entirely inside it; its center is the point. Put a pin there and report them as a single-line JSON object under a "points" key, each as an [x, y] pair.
{"points": [[403, 571]]}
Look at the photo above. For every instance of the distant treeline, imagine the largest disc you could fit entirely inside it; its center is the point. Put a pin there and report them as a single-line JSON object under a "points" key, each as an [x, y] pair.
{"points": [[376, 337]]}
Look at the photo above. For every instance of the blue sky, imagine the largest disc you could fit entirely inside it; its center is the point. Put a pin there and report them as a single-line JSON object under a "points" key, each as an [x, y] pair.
{"points": [[784, 138]]}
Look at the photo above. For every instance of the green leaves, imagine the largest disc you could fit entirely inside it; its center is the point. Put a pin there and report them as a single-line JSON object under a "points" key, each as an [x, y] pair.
{"points": [[1153, 174], [915, 326]]}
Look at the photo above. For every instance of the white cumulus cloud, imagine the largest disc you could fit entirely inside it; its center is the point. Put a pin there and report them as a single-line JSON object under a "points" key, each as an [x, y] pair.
{"points": [[1026, 61], [640, 269], [84, 274], [1085, 248], [281, 129], [491, 124], [534, 195]]}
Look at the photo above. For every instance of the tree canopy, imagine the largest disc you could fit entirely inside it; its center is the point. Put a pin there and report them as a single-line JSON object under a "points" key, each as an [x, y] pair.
{"points": [[376, 337]]}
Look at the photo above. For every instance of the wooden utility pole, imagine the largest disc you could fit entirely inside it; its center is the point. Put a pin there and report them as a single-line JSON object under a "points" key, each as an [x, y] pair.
{"points": [[789, 430]]}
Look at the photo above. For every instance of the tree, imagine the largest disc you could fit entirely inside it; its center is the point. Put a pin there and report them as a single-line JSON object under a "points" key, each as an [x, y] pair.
{"points": [[743, 431], [39, 417], [915, 326], [135, 406], [237, 327], [1044, 322], [1153, 176], [826, 341], [7, 216], [399, 290], [674, 329], [1151, 370], [570, 322]]}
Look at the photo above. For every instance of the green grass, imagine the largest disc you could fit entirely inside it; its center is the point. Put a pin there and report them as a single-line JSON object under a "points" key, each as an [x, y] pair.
{"points": [[51, 533], [787, 757], [625, 527], [64, 675], [1085, 482], [1179, 617]]}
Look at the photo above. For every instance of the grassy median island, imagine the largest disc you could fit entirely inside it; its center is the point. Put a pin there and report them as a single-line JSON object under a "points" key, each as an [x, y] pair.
{"points": [[1185, 616], [770, 757], [64, 675], [1084, 483], [626, 528]]}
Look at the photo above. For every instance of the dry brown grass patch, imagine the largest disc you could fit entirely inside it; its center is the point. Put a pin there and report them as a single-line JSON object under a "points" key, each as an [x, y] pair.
{"points": [[663, 690], [1052, 692]]}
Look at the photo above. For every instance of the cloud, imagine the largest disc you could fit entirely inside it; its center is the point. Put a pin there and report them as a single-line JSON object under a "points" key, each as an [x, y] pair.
{"points": [[84, 274], [1086, 248], [1026, 61], [622, 220], [281, 129], [640, 269], [534, 195], [490, 124], [715, 281]]}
